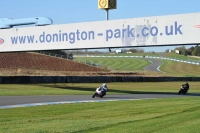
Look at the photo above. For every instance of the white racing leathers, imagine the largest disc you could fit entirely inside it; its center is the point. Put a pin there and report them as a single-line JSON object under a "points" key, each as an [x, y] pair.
{"points": [[101, 89]]}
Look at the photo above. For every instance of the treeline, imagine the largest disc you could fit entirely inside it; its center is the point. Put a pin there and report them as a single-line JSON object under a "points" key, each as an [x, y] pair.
{"points": [[79, 52], [133, 50], [193, 51]]}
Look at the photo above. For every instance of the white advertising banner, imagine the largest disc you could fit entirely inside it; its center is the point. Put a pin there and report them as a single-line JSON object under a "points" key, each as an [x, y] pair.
{"points": [[134, 32]]}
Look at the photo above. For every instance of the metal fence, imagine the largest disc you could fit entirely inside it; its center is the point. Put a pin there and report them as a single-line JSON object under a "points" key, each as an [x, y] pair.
{"points": [[66, 56]]}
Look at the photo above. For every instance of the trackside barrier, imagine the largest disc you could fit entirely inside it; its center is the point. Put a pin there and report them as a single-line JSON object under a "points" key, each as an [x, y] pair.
{"points": [[66, 56], [152, 57], [88, 79], [89, 63]]}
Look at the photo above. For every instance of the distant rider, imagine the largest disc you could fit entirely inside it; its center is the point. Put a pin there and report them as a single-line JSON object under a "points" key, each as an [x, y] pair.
{"points": [[186, 86]]}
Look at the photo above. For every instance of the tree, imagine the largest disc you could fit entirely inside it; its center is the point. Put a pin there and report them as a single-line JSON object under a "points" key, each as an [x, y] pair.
{"points": [[189, 51], [192, 48], [136, 50], [140, 50], [167, 51], [196, 51], [181, 49], [133, 50], [184, 52], [123, 51]]}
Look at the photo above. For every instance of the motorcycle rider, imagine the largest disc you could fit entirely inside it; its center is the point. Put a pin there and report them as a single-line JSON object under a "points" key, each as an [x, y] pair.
{"points": [[105, 88], [102, 89], [186, 86], [184, 89]]}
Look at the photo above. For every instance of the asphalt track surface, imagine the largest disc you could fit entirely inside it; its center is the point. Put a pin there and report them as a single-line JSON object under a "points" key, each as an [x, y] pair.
{"points": [[154, 66], [25, 101]]}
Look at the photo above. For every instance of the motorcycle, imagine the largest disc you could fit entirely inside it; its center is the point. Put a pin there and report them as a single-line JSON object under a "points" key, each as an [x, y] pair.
{"points": [[100, 91], [183, 90]]}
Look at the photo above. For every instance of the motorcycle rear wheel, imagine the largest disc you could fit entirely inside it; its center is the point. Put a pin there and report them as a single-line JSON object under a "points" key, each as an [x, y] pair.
{"points": [[93, 96]]}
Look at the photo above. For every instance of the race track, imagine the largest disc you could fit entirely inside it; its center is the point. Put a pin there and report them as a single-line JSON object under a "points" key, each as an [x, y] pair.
{"points": [[154, 66], [25, 101]]}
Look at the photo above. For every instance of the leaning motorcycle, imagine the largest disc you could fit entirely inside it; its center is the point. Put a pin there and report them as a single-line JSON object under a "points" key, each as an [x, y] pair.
{"points": [[183, 90], [101, 94]]}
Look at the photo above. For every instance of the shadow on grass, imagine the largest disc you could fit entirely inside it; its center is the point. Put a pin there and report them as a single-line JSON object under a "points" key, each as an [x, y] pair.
{"points": [[92, 90]]}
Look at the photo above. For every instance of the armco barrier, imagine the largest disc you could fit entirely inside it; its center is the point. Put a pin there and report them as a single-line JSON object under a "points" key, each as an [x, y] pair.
{"points": [[88, 79]]}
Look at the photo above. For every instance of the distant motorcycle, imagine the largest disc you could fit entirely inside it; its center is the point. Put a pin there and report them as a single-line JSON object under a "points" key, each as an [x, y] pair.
{"points": [[100, 91], [184, 89]]}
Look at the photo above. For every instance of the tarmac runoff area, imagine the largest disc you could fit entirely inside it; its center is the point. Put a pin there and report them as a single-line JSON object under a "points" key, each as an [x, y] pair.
{"points": [[27, 101]]}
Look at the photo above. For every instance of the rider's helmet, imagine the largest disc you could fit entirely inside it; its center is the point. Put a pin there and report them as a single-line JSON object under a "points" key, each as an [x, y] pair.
{"points": [[104, 84]]}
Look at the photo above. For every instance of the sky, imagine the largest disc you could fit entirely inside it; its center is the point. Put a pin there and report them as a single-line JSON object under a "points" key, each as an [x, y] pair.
{"points": [[77, 11]]}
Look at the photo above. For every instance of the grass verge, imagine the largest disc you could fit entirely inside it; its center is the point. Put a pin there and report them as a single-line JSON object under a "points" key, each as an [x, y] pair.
{"points": [[89, 88], [122, 64], [169, 67], [156, 115], [180, 69]]}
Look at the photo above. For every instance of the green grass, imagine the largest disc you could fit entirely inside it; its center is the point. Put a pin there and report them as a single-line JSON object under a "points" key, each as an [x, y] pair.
{"points": [[122, 64], [156, 115], [85, 88], [181, 57], [180, 69], [131, 54], [172, 68], [180, 115], [161, 54]]}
